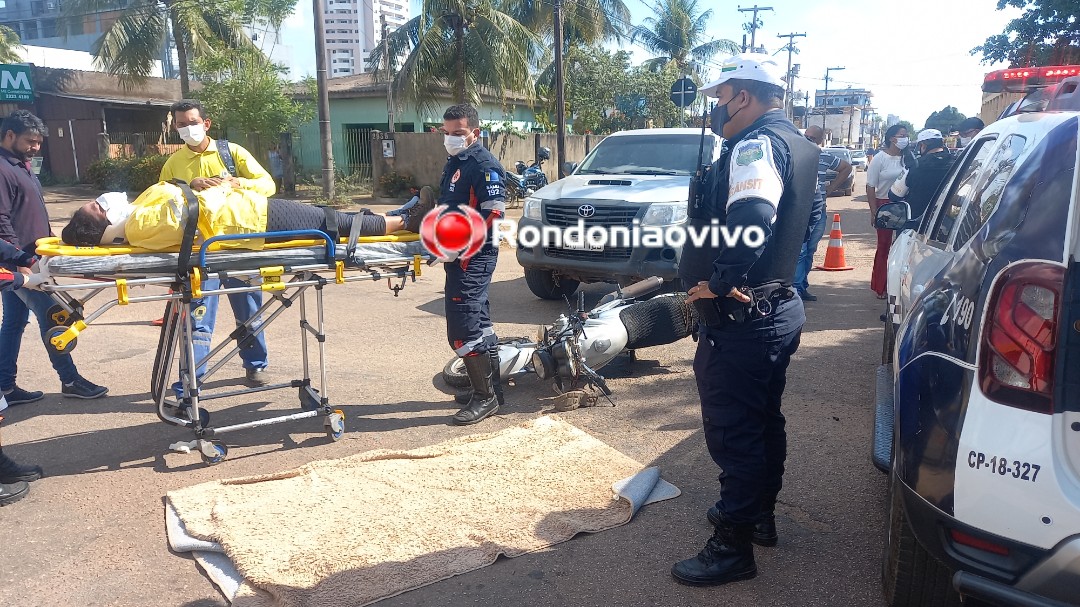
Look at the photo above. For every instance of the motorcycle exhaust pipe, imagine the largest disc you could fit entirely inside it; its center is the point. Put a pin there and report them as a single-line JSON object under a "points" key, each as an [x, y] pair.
{"points": [[642, 287]]}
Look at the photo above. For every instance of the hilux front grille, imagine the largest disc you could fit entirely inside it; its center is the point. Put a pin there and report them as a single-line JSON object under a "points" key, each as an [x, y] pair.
{"points": [[609, 253], [565, 213]]}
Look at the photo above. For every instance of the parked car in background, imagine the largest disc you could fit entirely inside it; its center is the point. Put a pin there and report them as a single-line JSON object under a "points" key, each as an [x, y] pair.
{"points": [[640, 175], [859, 161], [843, 154]]}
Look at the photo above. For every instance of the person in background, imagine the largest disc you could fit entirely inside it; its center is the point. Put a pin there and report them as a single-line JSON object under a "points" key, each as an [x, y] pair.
{"points": [[919, 184], [201, 164], [24, 220], [277, 166], [886, 167], [968, 129], [826, 162]]}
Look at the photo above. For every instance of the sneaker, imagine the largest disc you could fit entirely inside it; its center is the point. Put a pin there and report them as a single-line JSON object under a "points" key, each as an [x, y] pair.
{"points": [[257, 377], [12, 472], [82, 388], [18, 396], [415, 215]]}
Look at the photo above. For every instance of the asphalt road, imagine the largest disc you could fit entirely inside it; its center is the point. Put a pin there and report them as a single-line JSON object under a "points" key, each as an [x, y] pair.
{"points": [[92, 532]]}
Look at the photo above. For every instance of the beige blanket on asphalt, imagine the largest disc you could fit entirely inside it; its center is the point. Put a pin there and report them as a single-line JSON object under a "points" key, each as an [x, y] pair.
{"points": [[356, 530]]}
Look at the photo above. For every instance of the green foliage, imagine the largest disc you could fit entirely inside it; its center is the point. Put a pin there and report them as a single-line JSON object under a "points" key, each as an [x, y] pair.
{"points": [[501, 132], [1047, 33], [677, 34], [393, 183], [945, 120], [9, 45], [244, 92], [125, 174]]}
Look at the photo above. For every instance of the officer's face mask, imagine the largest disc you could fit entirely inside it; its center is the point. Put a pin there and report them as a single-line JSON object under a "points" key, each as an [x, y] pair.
{"points": [[192, 135], [721, 116]]}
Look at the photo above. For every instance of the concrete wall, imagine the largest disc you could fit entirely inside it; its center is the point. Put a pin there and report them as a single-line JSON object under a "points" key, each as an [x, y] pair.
{"points": [[422, 154]]}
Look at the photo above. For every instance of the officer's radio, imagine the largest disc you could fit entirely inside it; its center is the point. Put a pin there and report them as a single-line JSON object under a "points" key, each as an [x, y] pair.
{"points": [[696, 208]]}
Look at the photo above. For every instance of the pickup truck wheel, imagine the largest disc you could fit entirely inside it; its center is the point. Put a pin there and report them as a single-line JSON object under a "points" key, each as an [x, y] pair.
{"points": [[546, 285], [911, 576]]}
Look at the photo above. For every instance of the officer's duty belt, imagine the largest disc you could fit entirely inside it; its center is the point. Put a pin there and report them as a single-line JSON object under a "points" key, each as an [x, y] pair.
{"points": [[723, 311]]}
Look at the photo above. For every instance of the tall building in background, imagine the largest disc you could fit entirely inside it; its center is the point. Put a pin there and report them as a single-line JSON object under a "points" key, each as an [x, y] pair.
{"points": [[352, 29]]}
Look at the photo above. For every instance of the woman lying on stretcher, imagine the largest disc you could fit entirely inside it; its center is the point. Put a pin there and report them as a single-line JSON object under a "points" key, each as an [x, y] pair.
{"points": [[155, 221]]}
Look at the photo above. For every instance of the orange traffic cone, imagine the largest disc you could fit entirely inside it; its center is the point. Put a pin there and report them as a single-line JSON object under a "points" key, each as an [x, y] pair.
{"points": [[834, 255]]}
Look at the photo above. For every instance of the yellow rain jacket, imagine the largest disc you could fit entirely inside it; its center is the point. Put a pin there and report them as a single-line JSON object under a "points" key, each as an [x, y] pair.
{"points": [[157, 220]]}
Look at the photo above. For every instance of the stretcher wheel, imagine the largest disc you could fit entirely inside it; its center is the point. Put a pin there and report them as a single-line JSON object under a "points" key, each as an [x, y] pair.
{"points": [[222, 452], [57, 332], [60, 316], [335, 425], [454, 373]]}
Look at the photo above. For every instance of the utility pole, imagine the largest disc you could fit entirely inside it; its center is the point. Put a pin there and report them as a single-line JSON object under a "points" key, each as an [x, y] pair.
{"points": [[324, 101], [389, 82], [753, 24], [825, 99], [789, 105], [560, 94]]}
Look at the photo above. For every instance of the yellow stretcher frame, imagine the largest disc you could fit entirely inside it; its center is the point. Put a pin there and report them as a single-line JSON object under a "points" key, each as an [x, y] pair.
{"points": [[285, 285]]}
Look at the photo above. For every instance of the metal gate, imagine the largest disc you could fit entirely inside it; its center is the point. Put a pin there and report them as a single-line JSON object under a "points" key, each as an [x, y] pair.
{"points": [[357, 144]]}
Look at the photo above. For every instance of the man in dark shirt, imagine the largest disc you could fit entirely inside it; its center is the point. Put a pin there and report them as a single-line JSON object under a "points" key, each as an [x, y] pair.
{"points": [[472, 178], [23, 220], [921, 182]]}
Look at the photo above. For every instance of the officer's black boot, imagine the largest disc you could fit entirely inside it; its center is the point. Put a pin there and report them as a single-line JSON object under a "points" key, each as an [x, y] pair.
{"points": [[11, 493], [728, 556], [464, 396], [483, 403], [765, 529]]}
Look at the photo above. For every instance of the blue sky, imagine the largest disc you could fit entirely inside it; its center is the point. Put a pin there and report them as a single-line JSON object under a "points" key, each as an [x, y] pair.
{"points": [[912, 54]]}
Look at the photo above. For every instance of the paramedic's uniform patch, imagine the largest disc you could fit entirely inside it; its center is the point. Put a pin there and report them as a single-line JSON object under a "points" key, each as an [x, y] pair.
{"points": [[753, 173]]}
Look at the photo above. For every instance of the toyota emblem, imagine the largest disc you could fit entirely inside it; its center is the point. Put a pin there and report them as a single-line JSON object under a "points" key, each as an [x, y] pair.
{"points": [[586, 210]]}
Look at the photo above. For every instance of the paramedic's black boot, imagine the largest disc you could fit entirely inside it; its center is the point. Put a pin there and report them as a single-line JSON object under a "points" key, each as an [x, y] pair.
{"points": [[11, 472], [483, 403], [13, 492], [414, 216], [765, 529], [496, 375], [728, 556]]}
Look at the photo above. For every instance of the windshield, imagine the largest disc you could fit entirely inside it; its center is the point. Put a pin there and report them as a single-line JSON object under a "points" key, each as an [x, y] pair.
{"points": [[858, 154], [647, 155], [840, 153]]}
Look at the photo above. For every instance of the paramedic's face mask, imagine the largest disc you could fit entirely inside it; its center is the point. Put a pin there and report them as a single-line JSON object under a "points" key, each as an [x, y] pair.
{"points": [[458, 137], [191, 127]]}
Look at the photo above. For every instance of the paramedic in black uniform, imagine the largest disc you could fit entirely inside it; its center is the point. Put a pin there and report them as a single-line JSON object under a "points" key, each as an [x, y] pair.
{"points": [[750, 318], [473, 177]]}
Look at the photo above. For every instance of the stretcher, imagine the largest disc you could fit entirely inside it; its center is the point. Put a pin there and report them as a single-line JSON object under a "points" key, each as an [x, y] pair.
{"points": [[288, 267]]}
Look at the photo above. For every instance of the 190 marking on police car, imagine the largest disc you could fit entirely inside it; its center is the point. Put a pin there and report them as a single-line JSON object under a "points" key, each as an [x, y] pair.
{"points": [[960, 311], [1002, 467]]}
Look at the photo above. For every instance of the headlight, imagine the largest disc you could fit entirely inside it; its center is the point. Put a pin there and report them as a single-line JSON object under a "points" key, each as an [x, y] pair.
{"points": [[664, 214], [532, 208]]}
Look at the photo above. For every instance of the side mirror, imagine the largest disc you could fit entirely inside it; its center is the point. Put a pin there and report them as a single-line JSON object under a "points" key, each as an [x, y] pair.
{"points": [[569, 167], [893, 216]]}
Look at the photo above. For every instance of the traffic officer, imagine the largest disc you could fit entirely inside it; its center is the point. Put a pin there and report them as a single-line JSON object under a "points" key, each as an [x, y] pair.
{"points": [[474, 178], [750, 318], [918, 185]]}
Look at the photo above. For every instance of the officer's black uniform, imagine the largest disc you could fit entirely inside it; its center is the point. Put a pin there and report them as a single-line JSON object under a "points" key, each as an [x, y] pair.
{"points": [[925, 178], [766, 177], [474, 178]]}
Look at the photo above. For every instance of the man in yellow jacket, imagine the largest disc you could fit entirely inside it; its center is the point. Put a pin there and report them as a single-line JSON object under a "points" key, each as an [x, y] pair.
{"points": [[201, 164]]}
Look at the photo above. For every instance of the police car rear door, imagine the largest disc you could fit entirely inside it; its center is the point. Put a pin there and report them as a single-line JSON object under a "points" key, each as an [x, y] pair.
{"points": [[930, 250]]}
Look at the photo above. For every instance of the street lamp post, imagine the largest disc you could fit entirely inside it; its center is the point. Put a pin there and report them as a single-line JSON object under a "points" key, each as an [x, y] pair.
{"points": [[825, 100]]}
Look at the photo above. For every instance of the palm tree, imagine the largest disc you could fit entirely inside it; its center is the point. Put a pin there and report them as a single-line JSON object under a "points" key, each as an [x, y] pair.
{"points": [[464, 45], [676, 35], [138, 37], [9, 45]]}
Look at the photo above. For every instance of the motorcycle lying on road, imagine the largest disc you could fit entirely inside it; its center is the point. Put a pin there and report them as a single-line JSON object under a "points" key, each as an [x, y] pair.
{"points": [[528, 178], [577, 345]]}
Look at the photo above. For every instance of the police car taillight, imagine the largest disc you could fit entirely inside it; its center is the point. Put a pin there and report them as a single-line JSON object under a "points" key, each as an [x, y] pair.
{"points": [[1019, 335], [1023, 79]]}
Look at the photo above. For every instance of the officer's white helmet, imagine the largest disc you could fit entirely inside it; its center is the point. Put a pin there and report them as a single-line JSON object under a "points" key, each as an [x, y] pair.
{"points": [[747, 66]]}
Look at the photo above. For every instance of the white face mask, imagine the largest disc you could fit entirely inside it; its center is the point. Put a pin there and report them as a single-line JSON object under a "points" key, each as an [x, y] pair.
{"points": [[192, 135], [902, 142], [965, 140], [455, 144]]}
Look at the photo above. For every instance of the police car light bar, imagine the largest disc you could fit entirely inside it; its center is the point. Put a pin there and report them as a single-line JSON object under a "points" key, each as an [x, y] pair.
{"points": [[1024, 79]]}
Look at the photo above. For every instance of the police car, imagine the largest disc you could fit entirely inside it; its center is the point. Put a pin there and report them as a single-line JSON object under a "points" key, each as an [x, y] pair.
{"points": [[978, 396]]}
